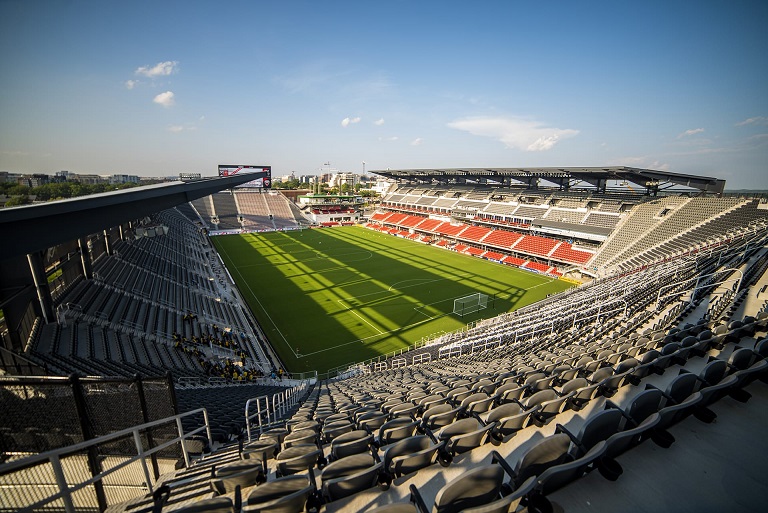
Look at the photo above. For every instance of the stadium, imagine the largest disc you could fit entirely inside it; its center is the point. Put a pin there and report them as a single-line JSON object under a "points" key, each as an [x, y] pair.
{"points": [[486, 340]]}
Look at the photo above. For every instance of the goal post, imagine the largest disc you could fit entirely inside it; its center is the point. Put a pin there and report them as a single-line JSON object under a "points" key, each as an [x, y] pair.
{"points": [[469, 304]]}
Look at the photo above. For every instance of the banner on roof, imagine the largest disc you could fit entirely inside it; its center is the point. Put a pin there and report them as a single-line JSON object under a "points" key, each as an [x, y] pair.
{"points": [[262, 174]]}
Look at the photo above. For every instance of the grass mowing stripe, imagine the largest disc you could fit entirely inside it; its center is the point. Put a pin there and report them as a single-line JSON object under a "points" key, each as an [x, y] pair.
{"points": [[328, 297]]}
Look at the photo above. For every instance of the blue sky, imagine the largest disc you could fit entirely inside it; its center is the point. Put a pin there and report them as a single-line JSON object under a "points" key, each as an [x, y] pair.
{"points": [[158, 88]]}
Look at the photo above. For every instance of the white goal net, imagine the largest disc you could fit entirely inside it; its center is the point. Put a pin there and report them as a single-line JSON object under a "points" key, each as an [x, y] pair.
{"points": [[468, 304]]}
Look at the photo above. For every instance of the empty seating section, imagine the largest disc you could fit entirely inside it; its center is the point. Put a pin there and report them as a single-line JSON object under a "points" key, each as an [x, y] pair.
{"points": [[543, 268], [565, 252], [486, 237], [140, 297], [226, 210], [428, 225], [502, 238], [492, 255], [513, 261], [204, 208], [674, 224], [602, 220], [475, 233], [449, 229], [565, 216], [651, 228], [255, 211], [499, 208], [526, 212], [536, 245]]}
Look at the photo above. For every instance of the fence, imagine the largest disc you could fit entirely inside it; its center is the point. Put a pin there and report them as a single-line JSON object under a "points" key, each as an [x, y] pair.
{"points": [[45, 413], [264, 411], [96, 474]]}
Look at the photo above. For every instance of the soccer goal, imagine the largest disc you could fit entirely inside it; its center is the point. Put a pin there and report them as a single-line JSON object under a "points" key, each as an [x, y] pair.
{"points": [[468, 304]]}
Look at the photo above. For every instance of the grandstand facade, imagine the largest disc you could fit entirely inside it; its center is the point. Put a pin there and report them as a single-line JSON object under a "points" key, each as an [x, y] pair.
{"points": [[528, 409]]}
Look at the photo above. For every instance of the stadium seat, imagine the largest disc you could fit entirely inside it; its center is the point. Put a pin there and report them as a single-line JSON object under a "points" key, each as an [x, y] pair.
{"points": [[297, 458], [409, 455], [226, 478], [285, 494], [354, 442], [349, 475], [464, 435]]}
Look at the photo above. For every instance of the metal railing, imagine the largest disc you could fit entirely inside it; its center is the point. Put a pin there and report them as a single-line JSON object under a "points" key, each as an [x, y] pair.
{"points": [[73, 478], [265, 411]]}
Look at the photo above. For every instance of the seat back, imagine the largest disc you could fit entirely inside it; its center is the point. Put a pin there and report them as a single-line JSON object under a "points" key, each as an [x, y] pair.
{"points": [[285, 494], [349, 475], [240, 473], [297, 458], [546, 453], [600, 426], [644, 404], [477, 487]]}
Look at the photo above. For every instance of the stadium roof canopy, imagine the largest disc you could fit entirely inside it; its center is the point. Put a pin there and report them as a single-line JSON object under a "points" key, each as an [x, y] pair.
{"points": [[31, 228], [565, 178]]}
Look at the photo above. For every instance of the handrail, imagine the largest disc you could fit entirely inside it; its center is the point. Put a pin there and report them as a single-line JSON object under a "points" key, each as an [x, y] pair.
{"points": [[275, 407], [54, 457]]}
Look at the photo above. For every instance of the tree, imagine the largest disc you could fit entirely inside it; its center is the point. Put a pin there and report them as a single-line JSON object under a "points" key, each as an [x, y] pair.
{"points": [[17, 200]]}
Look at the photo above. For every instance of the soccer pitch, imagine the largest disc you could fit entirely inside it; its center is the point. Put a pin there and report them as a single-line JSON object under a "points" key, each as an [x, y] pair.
{"points": [[334, 296]]}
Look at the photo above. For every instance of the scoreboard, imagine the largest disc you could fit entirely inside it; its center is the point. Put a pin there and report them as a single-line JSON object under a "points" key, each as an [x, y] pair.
{"points": [[262, 175]]}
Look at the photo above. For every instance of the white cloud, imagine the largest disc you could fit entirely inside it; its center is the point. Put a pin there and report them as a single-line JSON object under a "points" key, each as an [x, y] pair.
{"points": [[165, 99], [758, 120], [161, 69], [379, 122], [347, 121], [417, 141], [692, 131], [130, 84], [392, 138], [188, 127], [523, 134]]}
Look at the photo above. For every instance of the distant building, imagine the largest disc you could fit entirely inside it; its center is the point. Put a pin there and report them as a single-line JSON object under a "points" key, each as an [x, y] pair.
{"points": [[124, 179], [34, 180], [188, 177], [340, 179], [87, 179]]}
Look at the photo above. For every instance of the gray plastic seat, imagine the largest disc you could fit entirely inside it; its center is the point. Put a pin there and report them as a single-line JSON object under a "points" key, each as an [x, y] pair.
{"points": [[557, 476], [598, 427], [297, 458], [508, 418], [304, 436], [242, 473], [549, 404], [354, 442], [349, 476], [548, 452], [474, 488], [464, 435], [396, 429], [579, 392], [284, 495], [476, 403], [439, 415], [410, 455]]}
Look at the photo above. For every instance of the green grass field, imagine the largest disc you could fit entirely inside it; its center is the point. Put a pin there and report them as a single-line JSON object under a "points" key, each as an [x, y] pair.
{"points": [[328, 297]]}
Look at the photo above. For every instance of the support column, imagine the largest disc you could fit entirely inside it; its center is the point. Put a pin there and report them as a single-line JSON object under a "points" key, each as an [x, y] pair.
{"points": [[107, 243], [41, 285], [120, 228], [85, 258]]}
